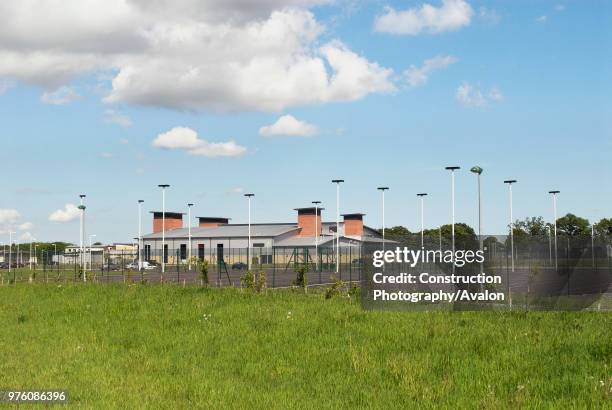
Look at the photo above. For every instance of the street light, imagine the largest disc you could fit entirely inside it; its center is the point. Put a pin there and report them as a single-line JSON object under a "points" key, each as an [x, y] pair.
{"points": [[337, 182], [452, 169], [382, 189], [316, 204], [189, 227], [140, 202], [163, 187], [82, 236], [249, 196], [422, 196], [510, 182], [478, 171], [554, 195]]}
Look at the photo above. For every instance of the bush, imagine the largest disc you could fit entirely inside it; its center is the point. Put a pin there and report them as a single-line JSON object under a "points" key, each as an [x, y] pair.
{"points": [[253, 281], [260, 282], [335, 289], [204, 273], [301, 280], [248, 280]]}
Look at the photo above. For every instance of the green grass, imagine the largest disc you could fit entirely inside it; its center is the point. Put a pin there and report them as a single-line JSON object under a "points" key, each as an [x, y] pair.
{"points": [[157, 347]]}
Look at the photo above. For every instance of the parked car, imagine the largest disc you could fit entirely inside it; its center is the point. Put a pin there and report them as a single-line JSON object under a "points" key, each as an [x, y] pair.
{"points": [[145, 265], [239, 266], [4, 265]]}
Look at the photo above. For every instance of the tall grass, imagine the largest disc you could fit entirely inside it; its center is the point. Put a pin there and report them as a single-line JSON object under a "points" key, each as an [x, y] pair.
{"points": [[171, 347]]}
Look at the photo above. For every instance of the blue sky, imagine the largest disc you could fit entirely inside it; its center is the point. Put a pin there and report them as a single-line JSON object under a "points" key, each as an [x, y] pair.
{"points": [[520, 88]]}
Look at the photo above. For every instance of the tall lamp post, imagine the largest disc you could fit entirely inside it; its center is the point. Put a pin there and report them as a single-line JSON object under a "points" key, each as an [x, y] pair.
{"points": [[422, 196], [452, 169], [82, 236], [249, 196], [554, 196], [164, 255], [189, 228], [317, 233], [478, 171], [337, 182], [510, 182], [382, 189], [140, 202]]}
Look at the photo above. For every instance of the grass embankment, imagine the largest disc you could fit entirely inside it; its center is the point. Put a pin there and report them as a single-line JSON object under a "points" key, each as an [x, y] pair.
{"points": [[172, 347]]}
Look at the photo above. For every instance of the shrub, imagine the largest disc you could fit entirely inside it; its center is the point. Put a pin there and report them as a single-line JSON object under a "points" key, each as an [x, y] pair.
{"points": [[301, 280], [204, 273], [260, 283], [248, 280], [335, 289]]}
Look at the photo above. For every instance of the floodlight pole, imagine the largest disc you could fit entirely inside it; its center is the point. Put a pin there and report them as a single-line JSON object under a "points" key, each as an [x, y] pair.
{"points": [[189, 226], [478, 171], [422, 197], [140, 201], [337, 182], [163, 187], [554, 195], [510, 182], [82, 237], [249, 196], [452, 169], [316, 204], [382, 189]]}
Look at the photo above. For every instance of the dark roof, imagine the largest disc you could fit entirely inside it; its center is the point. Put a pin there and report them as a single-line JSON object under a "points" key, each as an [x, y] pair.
{"points": [[159, 214], [228, 231]]}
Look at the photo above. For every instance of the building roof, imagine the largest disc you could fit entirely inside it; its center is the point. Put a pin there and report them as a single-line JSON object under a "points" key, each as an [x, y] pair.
{"points": [[159, 214], [298, 241], [228, 231]]}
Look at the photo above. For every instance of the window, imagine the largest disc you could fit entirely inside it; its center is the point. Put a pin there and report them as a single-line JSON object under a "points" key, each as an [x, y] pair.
{"points": [[165, 253], [183, 251], [258, 245], [201, 251], [147, 252]]}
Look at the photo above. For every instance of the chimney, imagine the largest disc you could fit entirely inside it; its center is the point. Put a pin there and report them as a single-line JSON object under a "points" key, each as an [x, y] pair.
{"points": [[353, 224], [174, 220], [309, 221], [211, 221]]}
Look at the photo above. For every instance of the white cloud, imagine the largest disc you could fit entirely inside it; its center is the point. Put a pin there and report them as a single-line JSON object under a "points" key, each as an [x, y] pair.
{"points": [[471, 96], [418, 76], [26, 237], [186, 139], [451, 15], [9, 216], [61, 96], [288, 126], [114, 117], [26, 226], [5, 85], [541, 19], [220, 55], [69, 213], [495, 94]]}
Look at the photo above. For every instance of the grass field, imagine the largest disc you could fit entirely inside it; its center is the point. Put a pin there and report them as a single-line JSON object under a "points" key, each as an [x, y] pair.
{"points": [[172, 347]]}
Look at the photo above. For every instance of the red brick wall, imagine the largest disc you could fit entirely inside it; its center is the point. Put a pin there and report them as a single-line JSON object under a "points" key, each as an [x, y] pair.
{"points": [[353, 227], [309, 224], [171, 223], [209, 224]]}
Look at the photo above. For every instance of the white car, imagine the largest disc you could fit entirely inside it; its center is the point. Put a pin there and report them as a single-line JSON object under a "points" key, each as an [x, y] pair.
{"points": [[145, 265]]}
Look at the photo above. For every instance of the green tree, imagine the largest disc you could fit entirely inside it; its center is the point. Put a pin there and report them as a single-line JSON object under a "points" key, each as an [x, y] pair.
{"points": [[531, 226], [396, 231], [572, 225], [604, 227]]}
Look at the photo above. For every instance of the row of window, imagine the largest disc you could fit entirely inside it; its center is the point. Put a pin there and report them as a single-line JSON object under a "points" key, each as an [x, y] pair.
{"points": [[183, 251]]}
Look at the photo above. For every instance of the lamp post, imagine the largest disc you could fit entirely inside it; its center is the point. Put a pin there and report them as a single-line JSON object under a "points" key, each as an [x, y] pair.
{"points": [[91, 251], [337, 182], [163, 187], [478, 171], [510, 182], [140, 202], [452, 169], [382, 189], [189, 228], [249, 196], [554, 196], [317, 233], [82, 236], [422, 196]]}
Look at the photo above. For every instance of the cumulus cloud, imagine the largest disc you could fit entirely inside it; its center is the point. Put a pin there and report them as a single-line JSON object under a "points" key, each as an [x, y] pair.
{"points": [[114, 117], [69, 213], [220, 55], [186, 139], [9, 216], [451, 15], [61, 96], [417, 76], [26, 226], [288, 126], [471, 96], [26, 237]]}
